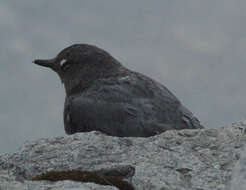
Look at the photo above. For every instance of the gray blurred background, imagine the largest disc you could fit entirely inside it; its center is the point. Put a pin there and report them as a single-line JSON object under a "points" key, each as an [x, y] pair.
{"points": [[194, 47]]}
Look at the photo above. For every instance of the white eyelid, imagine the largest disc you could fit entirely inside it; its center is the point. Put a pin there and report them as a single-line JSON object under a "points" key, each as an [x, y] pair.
{"points": [[62, 62]]}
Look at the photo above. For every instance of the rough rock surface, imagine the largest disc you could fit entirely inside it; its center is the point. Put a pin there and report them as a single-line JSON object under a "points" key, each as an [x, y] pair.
{"points": [[174, 160], [239, 173]]}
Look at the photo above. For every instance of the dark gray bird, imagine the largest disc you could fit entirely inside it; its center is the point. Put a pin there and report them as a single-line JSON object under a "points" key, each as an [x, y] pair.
{"points": [[102, 95]]}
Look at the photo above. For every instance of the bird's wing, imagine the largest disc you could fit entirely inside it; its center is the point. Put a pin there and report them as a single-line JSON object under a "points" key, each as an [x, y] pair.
{"points": [[116, 119], [83, 114]]}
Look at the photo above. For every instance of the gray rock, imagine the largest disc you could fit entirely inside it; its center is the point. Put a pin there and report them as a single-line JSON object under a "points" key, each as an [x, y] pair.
{"points": [[201, 159], [65, 185], [239, 173]]}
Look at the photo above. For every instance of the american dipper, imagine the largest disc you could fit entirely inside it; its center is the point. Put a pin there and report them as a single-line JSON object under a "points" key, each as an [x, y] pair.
{"points": [[103, 95]]}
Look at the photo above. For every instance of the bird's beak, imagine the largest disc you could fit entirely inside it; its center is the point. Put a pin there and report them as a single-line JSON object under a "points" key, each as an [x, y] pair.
{"points": [[45, 62]]}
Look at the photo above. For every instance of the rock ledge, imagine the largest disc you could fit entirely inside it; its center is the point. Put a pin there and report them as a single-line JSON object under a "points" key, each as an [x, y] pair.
{"points": [[175, 160]]}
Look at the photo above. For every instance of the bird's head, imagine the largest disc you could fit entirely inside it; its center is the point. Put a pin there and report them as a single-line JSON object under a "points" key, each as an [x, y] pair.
{"points": [[80, 63]]}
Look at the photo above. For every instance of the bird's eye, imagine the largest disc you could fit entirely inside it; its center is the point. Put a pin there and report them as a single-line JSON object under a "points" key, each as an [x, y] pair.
{"points": [[64, 64]]}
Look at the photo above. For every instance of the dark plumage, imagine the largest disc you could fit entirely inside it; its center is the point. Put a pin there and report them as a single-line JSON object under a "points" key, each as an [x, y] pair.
{"points": [[103, 95]]}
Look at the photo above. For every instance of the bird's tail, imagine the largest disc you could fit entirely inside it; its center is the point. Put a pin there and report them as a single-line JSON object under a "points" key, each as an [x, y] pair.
{"points": [[189, 119]]}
